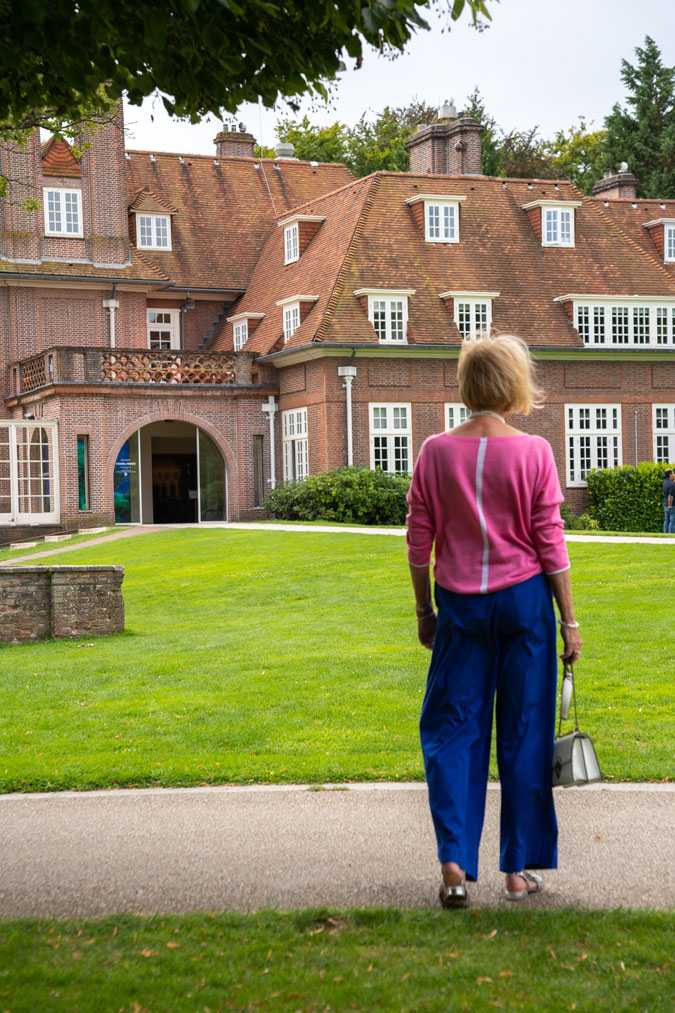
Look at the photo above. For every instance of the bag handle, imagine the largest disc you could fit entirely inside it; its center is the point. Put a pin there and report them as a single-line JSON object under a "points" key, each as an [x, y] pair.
{"points": [[568, 673]]}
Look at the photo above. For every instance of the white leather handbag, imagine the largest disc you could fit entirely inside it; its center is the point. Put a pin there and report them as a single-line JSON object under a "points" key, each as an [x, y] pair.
{"points": [[574, 758]]}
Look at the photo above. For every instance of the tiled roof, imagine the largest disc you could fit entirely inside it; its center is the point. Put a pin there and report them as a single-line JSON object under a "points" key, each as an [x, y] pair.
{"points": [[59, 160], [139, 269], [315, 273], [631, 217], [225, 209], [371, 239]]}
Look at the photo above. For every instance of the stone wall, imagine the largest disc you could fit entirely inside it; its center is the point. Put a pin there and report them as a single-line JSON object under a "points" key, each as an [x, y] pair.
{"points": [[60, 601]]}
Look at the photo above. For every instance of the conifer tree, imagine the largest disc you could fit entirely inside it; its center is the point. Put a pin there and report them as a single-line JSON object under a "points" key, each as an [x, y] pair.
{"points": [[643, 135]]}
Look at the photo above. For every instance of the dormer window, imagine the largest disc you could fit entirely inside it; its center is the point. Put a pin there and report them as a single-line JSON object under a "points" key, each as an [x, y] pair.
{"points": [[556, 224], [662, 230], [63, 212], [153, 232], [669, 243], [291, 243], [295, 309], [243, 325], [472, 312], [388, 313], [291, 320], [299, 230], [240, 334], [441, 216], [557, 227]]}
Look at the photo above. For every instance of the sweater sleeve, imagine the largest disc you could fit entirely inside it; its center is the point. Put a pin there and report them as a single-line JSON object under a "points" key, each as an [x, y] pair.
{"points": [[420, 519], [547, 524]]}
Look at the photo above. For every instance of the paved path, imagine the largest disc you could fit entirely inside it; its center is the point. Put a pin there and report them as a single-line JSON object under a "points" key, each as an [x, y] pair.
{"points": [[144, 529], [179, 850]]}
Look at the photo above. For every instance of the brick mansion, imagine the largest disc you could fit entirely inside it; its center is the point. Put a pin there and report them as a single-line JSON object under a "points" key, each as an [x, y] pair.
{"points": [[180, 333]]}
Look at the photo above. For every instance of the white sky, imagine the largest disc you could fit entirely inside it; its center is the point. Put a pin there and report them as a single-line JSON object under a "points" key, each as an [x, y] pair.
{"points": [[542, 63]]}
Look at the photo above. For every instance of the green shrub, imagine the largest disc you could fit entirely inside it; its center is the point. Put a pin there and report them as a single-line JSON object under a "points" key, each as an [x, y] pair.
{"points": [[352, 495], [571, 520], [628, 498]]}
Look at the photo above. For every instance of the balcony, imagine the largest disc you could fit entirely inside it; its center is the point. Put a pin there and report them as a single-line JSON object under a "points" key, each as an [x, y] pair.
{"points": [[128, 365]]}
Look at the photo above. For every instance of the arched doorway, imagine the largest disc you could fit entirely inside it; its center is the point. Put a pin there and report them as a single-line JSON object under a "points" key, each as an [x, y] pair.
{"points": [[170, 472]]}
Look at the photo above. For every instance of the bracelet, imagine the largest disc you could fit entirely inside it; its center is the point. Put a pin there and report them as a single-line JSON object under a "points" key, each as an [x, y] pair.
{"points": [[427, 612], [570, 626]]}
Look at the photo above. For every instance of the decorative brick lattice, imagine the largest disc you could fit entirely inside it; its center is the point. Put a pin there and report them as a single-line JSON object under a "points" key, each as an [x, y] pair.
{"points": [[35, 372], [125, 366]]}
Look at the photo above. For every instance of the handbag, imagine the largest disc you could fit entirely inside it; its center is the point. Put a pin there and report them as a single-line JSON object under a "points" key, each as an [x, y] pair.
{"points": [[574, 758]]}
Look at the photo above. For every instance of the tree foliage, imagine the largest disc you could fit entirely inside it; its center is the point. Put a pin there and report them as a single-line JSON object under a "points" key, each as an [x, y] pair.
{"points": [[202, 56], [578, 154], [643, 135], [370, 146]]}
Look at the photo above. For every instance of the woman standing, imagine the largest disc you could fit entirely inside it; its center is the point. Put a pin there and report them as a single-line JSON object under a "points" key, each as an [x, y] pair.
{"points": [[486, 497]]}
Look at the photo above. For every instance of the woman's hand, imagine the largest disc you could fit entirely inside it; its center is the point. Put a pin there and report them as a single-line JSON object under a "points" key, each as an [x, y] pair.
{"points": [[426, 631], [572, 643]]}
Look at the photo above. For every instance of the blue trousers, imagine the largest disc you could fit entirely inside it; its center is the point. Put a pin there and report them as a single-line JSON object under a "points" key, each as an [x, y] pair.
{"points": [[493, 646], [669, 520]]}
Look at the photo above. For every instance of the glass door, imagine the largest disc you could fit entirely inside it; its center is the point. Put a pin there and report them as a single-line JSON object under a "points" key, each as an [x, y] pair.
{"points": [[211, 480]]}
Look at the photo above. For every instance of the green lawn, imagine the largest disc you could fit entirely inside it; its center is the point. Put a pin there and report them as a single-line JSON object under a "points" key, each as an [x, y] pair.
{"points": [[278, 656], [383, 960]]}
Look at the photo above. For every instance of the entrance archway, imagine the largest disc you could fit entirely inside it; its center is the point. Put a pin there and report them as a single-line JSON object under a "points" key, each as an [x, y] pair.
{"points": [[170, 472]]}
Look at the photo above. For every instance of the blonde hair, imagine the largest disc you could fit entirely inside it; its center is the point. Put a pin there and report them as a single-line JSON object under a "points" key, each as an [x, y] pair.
{"points": [[498, 373]]}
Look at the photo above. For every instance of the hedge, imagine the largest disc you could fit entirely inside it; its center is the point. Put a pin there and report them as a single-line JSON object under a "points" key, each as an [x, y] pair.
{"points": [[628, 498], [352, 495]]}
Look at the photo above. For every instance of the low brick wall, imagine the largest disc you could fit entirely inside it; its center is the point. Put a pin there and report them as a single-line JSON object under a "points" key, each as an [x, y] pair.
{"points": [[60, 601]]}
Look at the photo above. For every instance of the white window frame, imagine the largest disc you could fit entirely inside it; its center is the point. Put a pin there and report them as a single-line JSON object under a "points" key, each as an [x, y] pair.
{"points": [[291, 320], [625, 323], [389, 316], [166, 326], [557, 226], [391, 437], [592, 440], [455, 413], [441, 221], [478, 313], [663, 433], [63, 197], [291, 243], [157, 236], [669, 244], [295, 444], [239, 334]]}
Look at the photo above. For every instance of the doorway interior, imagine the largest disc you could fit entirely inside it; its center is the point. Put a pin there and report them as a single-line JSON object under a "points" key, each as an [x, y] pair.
{"points": [[170, 472]]}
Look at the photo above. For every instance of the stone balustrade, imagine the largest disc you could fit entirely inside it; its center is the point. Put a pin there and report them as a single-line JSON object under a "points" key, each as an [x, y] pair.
{"points": [[125, 365], [60, 601]]}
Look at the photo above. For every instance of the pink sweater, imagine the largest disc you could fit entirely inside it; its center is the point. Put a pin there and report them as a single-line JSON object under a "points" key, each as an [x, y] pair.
{"points": [[491, 506]]}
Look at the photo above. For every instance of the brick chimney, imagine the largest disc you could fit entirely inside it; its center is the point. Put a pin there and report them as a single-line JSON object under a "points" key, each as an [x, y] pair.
{"points": [[450, 146], [104, 197], [234, 144], [616, 186]]}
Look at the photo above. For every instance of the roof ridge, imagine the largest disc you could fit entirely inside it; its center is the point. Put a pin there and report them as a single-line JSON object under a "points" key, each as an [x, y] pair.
{"points": [[231, 158], [592, 202], [338, 287], [324, 196]]}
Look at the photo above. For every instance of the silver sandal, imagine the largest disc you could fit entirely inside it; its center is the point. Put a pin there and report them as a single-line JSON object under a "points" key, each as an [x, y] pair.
{"points": [[529, 877], [453, 896]]}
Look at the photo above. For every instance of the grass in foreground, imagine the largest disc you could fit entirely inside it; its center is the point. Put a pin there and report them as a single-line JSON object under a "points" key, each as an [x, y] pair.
{"points": [[324, 960], [292, 657]]}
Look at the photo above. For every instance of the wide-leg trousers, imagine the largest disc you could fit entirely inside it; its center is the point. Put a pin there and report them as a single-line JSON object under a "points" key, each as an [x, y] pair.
{"points": [[493, 647]]}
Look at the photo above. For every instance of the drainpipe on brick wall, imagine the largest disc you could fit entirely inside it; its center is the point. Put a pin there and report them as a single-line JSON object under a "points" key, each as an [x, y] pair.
{"points": [[636, 447], [348, 373], [270, 409], [111, 305]]}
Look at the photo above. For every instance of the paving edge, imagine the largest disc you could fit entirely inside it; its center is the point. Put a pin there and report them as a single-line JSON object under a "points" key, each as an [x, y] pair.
{"points": [[241, 789]]}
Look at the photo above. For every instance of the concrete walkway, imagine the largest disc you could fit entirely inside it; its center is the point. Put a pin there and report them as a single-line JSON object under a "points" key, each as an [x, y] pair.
{"points": [[213, 849], [144, 529]]}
